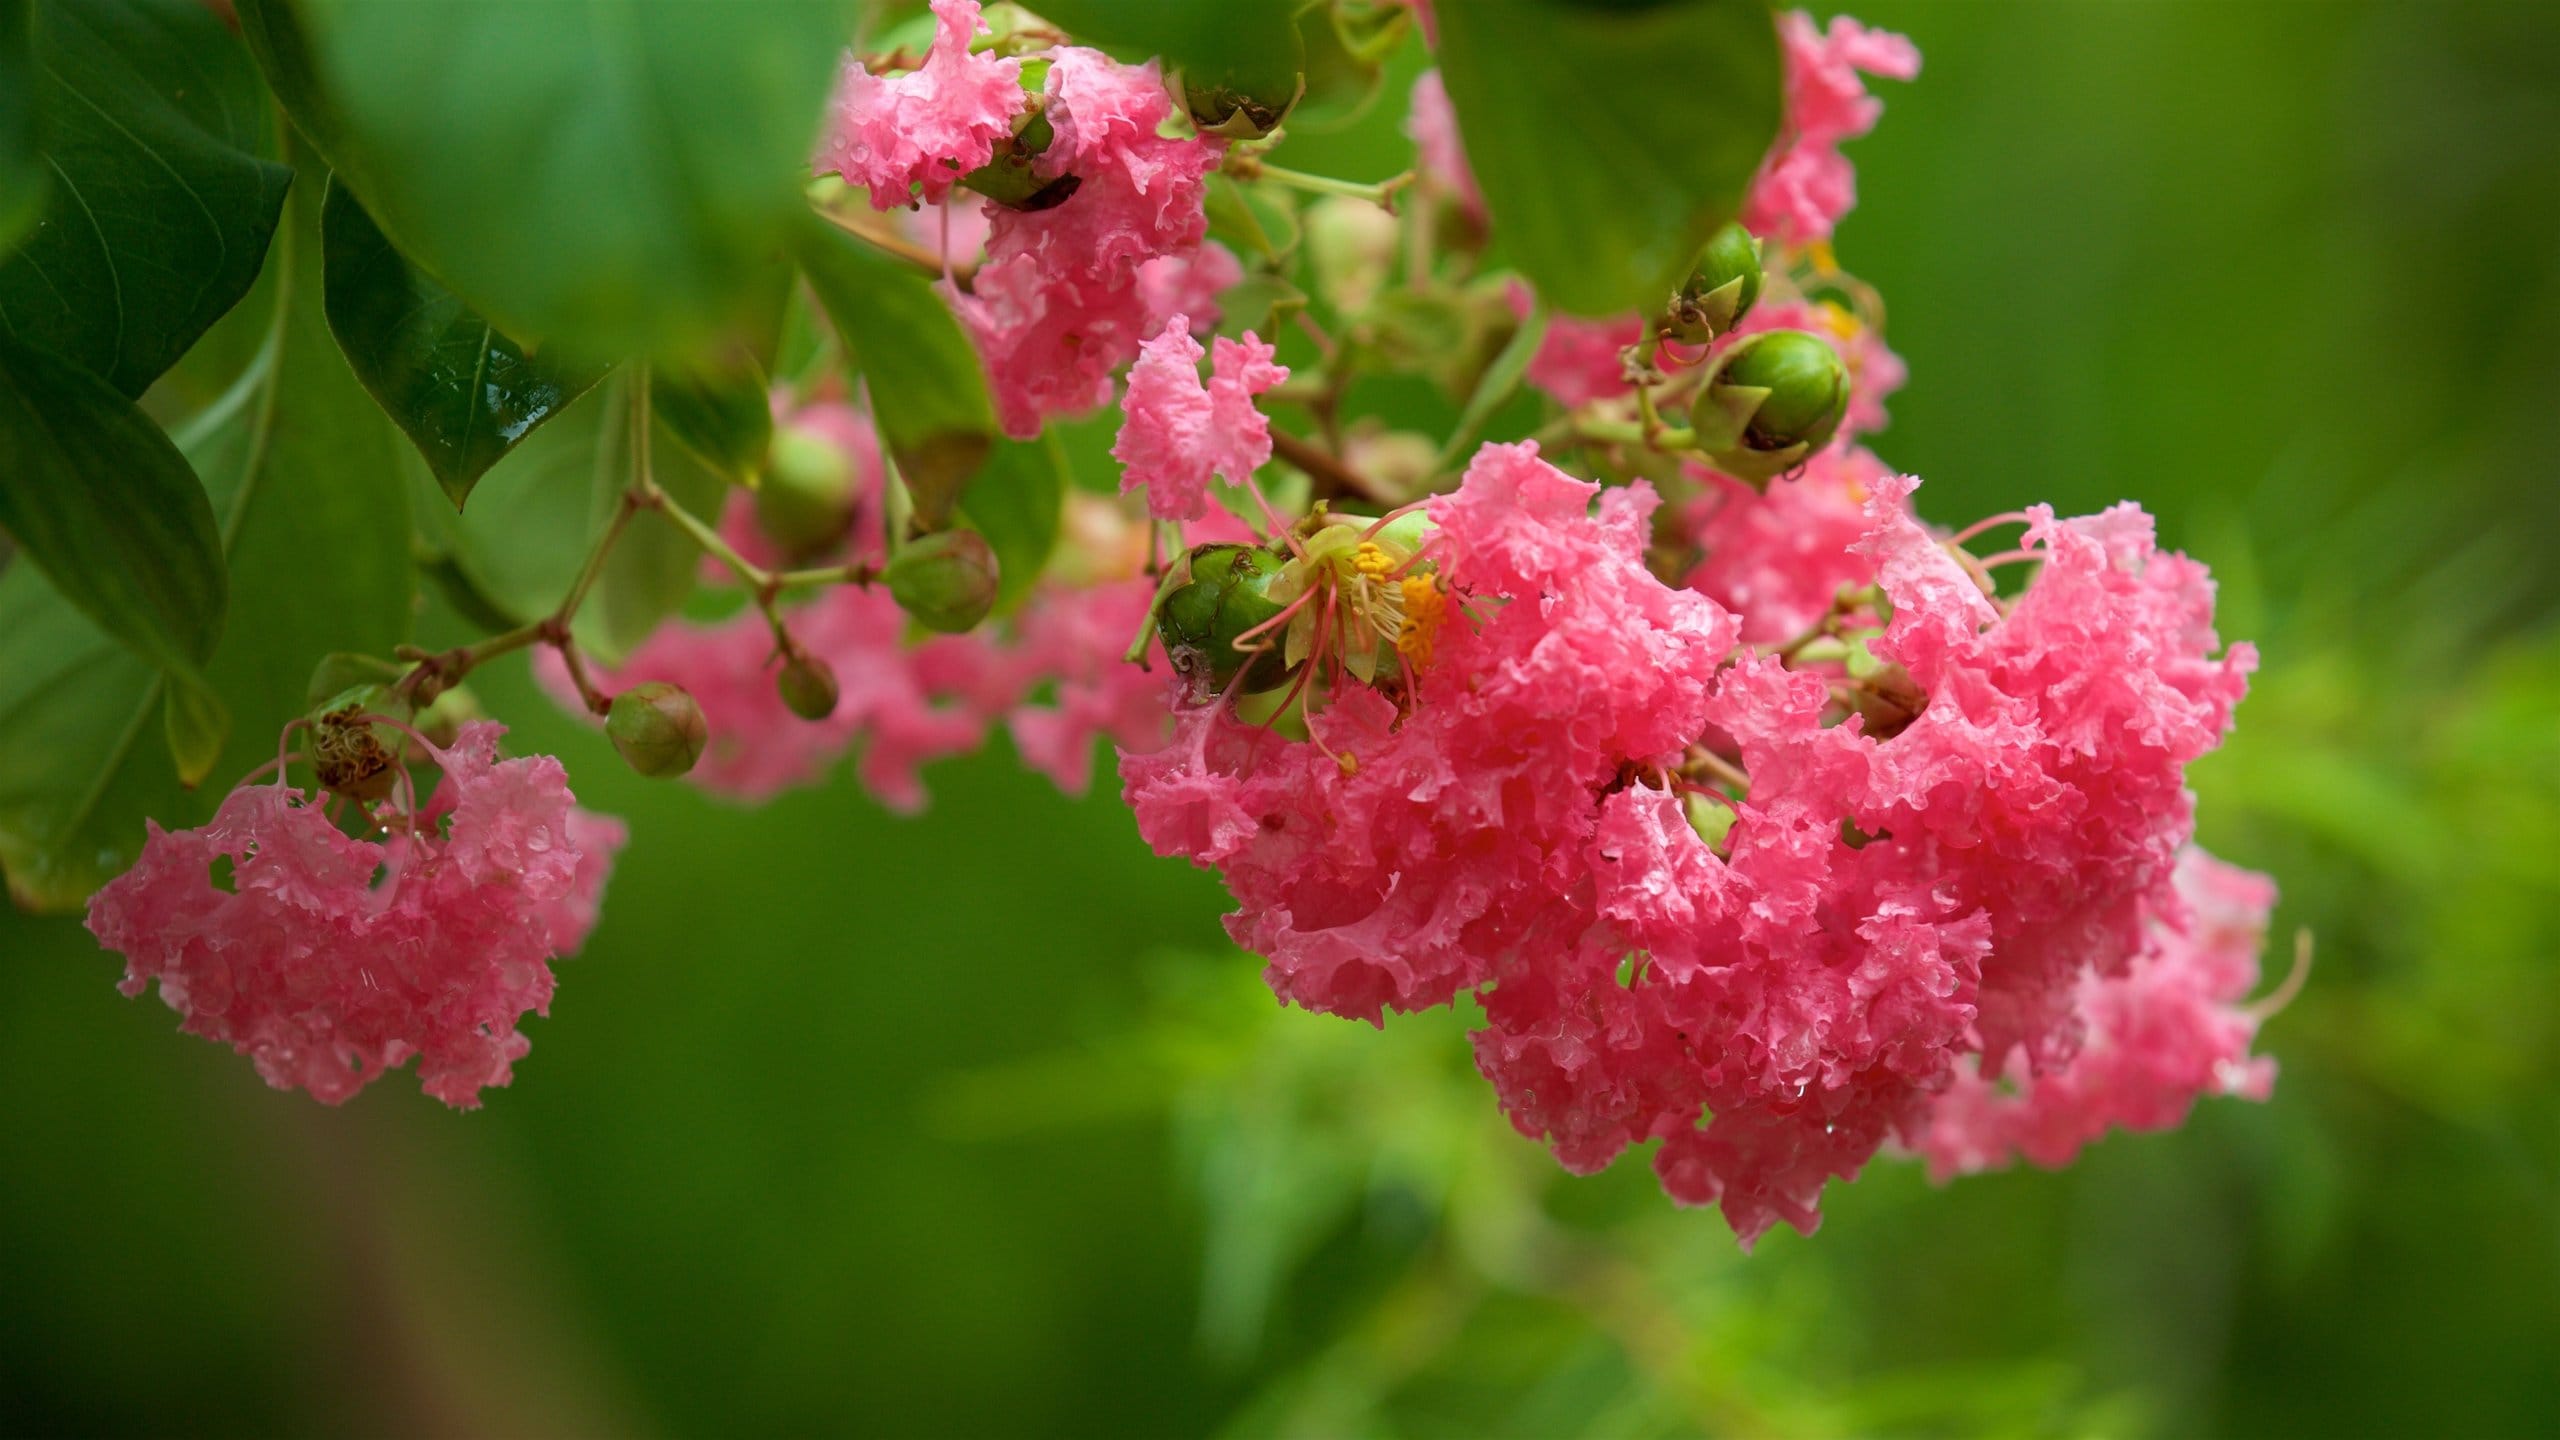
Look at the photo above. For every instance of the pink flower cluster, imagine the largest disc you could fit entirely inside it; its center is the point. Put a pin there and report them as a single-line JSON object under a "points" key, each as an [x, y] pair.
{"points": [[1806, 185], [1176, 432], [914, 135], [326, 977], [1063, 298], [1979, 880]]}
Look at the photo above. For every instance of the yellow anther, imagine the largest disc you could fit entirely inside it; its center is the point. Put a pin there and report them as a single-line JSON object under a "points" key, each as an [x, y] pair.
{"points": [[1824, 262], [1424, 608], [1372, 561], [1837, 319]]}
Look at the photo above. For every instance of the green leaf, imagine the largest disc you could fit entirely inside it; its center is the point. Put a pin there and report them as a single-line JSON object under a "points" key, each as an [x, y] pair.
{"points": [[1017, 503], [531, 523], [1250, 44], [22, 172], [926, 386], [1494, 388], [162, 204], [719, 410], [97, 497], [303, 473], [464, 393], [610, 173], [1611, 141]]}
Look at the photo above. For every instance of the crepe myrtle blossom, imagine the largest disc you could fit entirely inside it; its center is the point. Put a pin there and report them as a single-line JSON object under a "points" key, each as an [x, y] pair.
{"points": [[1806, 185], [1751, 904], [328, 960], [913, 136], [1177, 432]]}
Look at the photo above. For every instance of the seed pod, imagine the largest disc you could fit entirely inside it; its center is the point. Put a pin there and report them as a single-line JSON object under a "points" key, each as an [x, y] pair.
{"points": [[946, 580], [1236, 107], [808, 686], [1773, 400], [807, 501], [1227, 596], [657, 728], [1722, 287]]}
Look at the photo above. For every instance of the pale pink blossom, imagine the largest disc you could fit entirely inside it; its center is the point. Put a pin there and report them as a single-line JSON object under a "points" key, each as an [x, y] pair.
{"points": [[1805, 185], [1188, 283], [1433, 125], [913, 136], [324, 975], [1176, 432]]}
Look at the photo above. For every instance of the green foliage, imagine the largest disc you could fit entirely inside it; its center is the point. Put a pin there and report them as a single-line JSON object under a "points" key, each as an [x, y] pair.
{"points": [[535, 515], [927, 389], [1017, 502], [98, 499], [613, 175], [463, 393], [719, 410], [163, 195], [1611, 142], [22, 172], [1248, 45], [302, 473]]}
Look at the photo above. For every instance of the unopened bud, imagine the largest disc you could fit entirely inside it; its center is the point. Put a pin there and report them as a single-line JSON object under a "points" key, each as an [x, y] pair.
{"points": [[657, 728], [1233, 108], [807, 500], [1227, 597], [1352, 245], [946, 580], [1721, 288], [1773, 400], [808, 686]]}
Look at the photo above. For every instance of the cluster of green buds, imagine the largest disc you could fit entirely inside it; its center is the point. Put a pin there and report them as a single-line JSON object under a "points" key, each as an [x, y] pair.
{"points": [[1770, 402], [1723, 285]]}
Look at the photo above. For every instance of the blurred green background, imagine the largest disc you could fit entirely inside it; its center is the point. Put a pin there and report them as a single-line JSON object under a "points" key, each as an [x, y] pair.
{"points": [[970, 1124]]}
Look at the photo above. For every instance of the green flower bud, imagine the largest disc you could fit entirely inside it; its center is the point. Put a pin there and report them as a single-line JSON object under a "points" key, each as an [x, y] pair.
{"points": [[1722, 286], [806, 502], [1773, 400], [808, 686], [1228, 594], [946, 580], [1235, 108], [657, 728], [442, 721]]}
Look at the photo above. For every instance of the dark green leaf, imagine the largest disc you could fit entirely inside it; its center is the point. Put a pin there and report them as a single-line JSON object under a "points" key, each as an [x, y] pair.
{"points": [[926, 386], [535, 516], [615, 174], [303, 473], [719, 410], [22, 172], [1016, 503], [162, 203], [1610, 142], [97, 497], [463, 392]]}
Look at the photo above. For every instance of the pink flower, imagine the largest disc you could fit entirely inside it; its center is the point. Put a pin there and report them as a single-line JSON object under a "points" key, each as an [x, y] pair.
{"points": [[1074, 639], [1177, 432], [1433, 124], [326, 979], [1778, 558], [1061, 302], [915, 135], [1805, 185], [2165, 1030], [1581, 360], [1188, 283]]}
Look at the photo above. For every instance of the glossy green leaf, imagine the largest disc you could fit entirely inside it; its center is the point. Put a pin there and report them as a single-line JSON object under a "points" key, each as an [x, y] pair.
{"points": [[1017, 503], [536, 514], [162, 201], [97, 497], [303, 473], [464, 393], [1610, 141], [22, 171], [926, 385], [719, 410], [611, 173]]}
